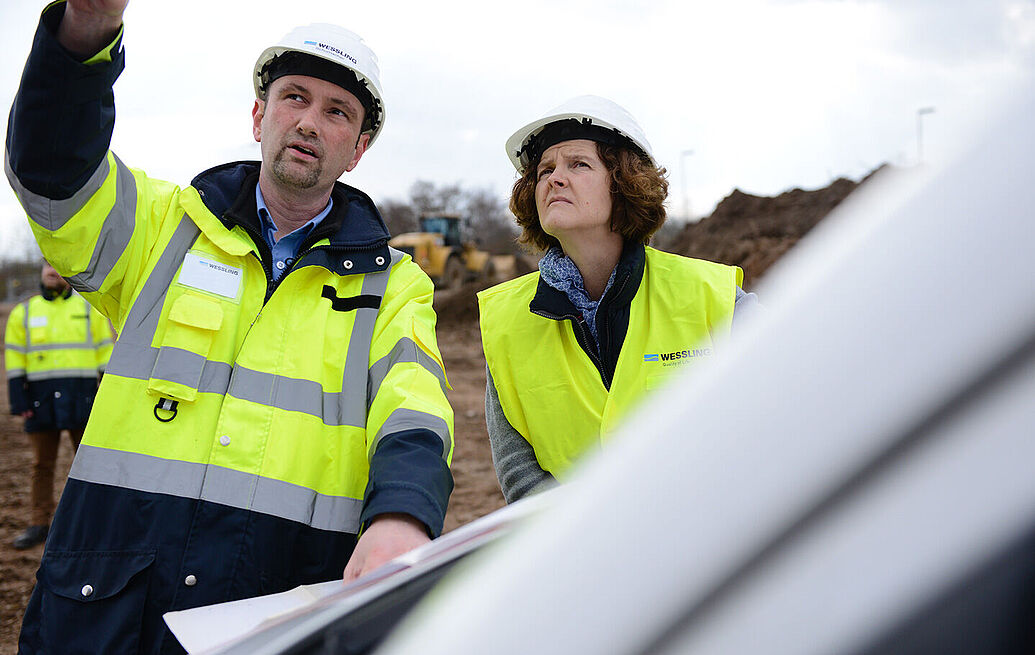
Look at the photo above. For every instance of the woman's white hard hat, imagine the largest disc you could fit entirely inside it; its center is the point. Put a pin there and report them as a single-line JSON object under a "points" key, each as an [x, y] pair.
{"points": [[336, 45], [586, 110]]}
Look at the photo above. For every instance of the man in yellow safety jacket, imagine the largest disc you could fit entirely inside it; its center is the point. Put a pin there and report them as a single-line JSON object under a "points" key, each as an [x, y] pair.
{"points": [[55, 347], [276, 390]]}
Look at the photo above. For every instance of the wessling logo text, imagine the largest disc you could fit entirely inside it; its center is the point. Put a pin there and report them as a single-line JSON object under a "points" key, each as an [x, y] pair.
{"points": [[677, 355]]}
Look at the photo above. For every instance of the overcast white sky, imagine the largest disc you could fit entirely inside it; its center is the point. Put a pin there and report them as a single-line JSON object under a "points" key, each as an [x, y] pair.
{"points": [[767, 94]]}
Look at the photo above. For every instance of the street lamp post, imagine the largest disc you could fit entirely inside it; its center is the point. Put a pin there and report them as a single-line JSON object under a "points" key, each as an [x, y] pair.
{"points": [[686, 196], [919, 133]]}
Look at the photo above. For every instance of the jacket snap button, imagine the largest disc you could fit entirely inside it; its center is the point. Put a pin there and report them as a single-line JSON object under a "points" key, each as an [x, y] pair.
{"points": [[224, 440], [57, 394], [280, 266], [347, 264], [380, 261], [87, 590], [190, 581]]}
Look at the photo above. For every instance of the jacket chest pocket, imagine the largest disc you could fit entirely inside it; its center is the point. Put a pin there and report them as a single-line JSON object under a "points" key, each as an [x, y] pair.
{"points": [[191, 327]]}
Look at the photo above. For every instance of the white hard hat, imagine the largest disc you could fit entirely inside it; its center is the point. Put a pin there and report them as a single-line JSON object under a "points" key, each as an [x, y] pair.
{"points": [[354, 67], [584, 117]]}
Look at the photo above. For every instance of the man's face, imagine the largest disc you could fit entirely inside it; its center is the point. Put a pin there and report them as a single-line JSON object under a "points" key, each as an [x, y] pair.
{"points": [[51, 279], [309, 131]]}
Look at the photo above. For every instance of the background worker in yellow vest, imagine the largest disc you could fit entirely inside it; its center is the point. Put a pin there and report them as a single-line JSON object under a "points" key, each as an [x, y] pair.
{"points": [[274, 412], [571, 348], [56, 347]]}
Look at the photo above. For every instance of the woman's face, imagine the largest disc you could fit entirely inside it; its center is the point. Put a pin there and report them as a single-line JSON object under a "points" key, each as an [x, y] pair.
{"points": [[573, 190]]}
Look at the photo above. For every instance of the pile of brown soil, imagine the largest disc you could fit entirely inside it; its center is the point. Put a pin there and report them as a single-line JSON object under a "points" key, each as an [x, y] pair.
{"points": [[754, 231], [459, 306]]}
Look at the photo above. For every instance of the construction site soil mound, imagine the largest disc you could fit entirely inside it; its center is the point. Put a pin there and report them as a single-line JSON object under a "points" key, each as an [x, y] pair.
{"points": [[750, 231]]}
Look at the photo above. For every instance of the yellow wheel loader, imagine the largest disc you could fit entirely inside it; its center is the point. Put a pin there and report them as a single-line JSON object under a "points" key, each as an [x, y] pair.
{"points": [[440, 250]]}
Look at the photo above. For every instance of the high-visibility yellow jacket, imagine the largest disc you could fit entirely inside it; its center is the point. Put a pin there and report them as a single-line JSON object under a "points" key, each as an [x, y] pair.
{"points": [[55, 346], [562, 395], [245, 430]]}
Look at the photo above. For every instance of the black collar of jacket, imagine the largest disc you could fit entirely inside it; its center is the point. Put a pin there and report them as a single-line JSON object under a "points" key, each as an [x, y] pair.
{"points": [[612, 313], [354, 223], [54, 294]]}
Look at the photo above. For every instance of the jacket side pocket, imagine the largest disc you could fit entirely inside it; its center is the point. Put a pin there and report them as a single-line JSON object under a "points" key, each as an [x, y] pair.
{"points": [[95, 598]]}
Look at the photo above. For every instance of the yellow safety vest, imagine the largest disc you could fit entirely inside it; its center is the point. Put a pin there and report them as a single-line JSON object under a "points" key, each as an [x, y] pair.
{"points": [[550, 390], [59, 338], [212, 394]]}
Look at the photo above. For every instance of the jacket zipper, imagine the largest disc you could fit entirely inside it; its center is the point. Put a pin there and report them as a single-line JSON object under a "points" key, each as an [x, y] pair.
{"points": [[267, 270]]}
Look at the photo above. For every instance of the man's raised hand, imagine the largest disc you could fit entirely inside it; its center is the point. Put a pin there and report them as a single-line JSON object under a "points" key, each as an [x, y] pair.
{"points": [[89, 25]]}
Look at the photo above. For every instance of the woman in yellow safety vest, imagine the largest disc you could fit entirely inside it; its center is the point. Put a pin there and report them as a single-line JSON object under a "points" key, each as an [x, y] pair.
{"points": [[570, 348]]}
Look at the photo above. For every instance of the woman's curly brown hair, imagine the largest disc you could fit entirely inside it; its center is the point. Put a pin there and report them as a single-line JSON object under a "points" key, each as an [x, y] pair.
{"points": [[638, 192]]}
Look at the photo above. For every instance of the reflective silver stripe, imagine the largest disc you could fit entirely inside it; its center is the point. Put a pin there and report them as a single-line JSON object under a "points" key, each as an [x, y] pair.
{"points": [[179, 366], [15, 347], [139, 363], [133, 350], [15, 373], [35, 376], [405, 351], [89, 324], [296, 395], [354, 391], [409, 419], [218, 485], [53, 214], [116, 232], [78, 345], [283, 499]]}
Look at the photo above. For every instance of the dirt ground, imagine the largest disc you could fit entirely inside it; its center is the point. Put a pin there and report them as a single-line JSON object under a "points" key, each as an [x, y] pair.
{"points": [[476, 492]]}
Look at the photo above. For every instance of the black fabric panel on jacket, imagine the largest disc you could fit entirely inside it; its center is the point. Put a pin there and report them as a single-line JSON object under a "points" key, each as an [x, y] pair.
{"points": [[61, 122], [60, 404], [230, 189], [18, 394], [352, 302]]}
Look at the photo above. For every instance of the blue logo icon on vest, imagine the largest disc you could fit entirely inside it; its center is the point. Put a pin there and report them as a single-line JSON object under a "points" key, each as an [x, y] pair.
{"points": [[650, 358]]}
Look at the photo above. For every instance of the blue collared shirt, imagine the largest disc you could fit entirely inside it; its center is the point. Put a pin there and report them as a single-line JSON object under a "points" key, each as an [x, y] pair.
{"points": [[286, 249]]}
